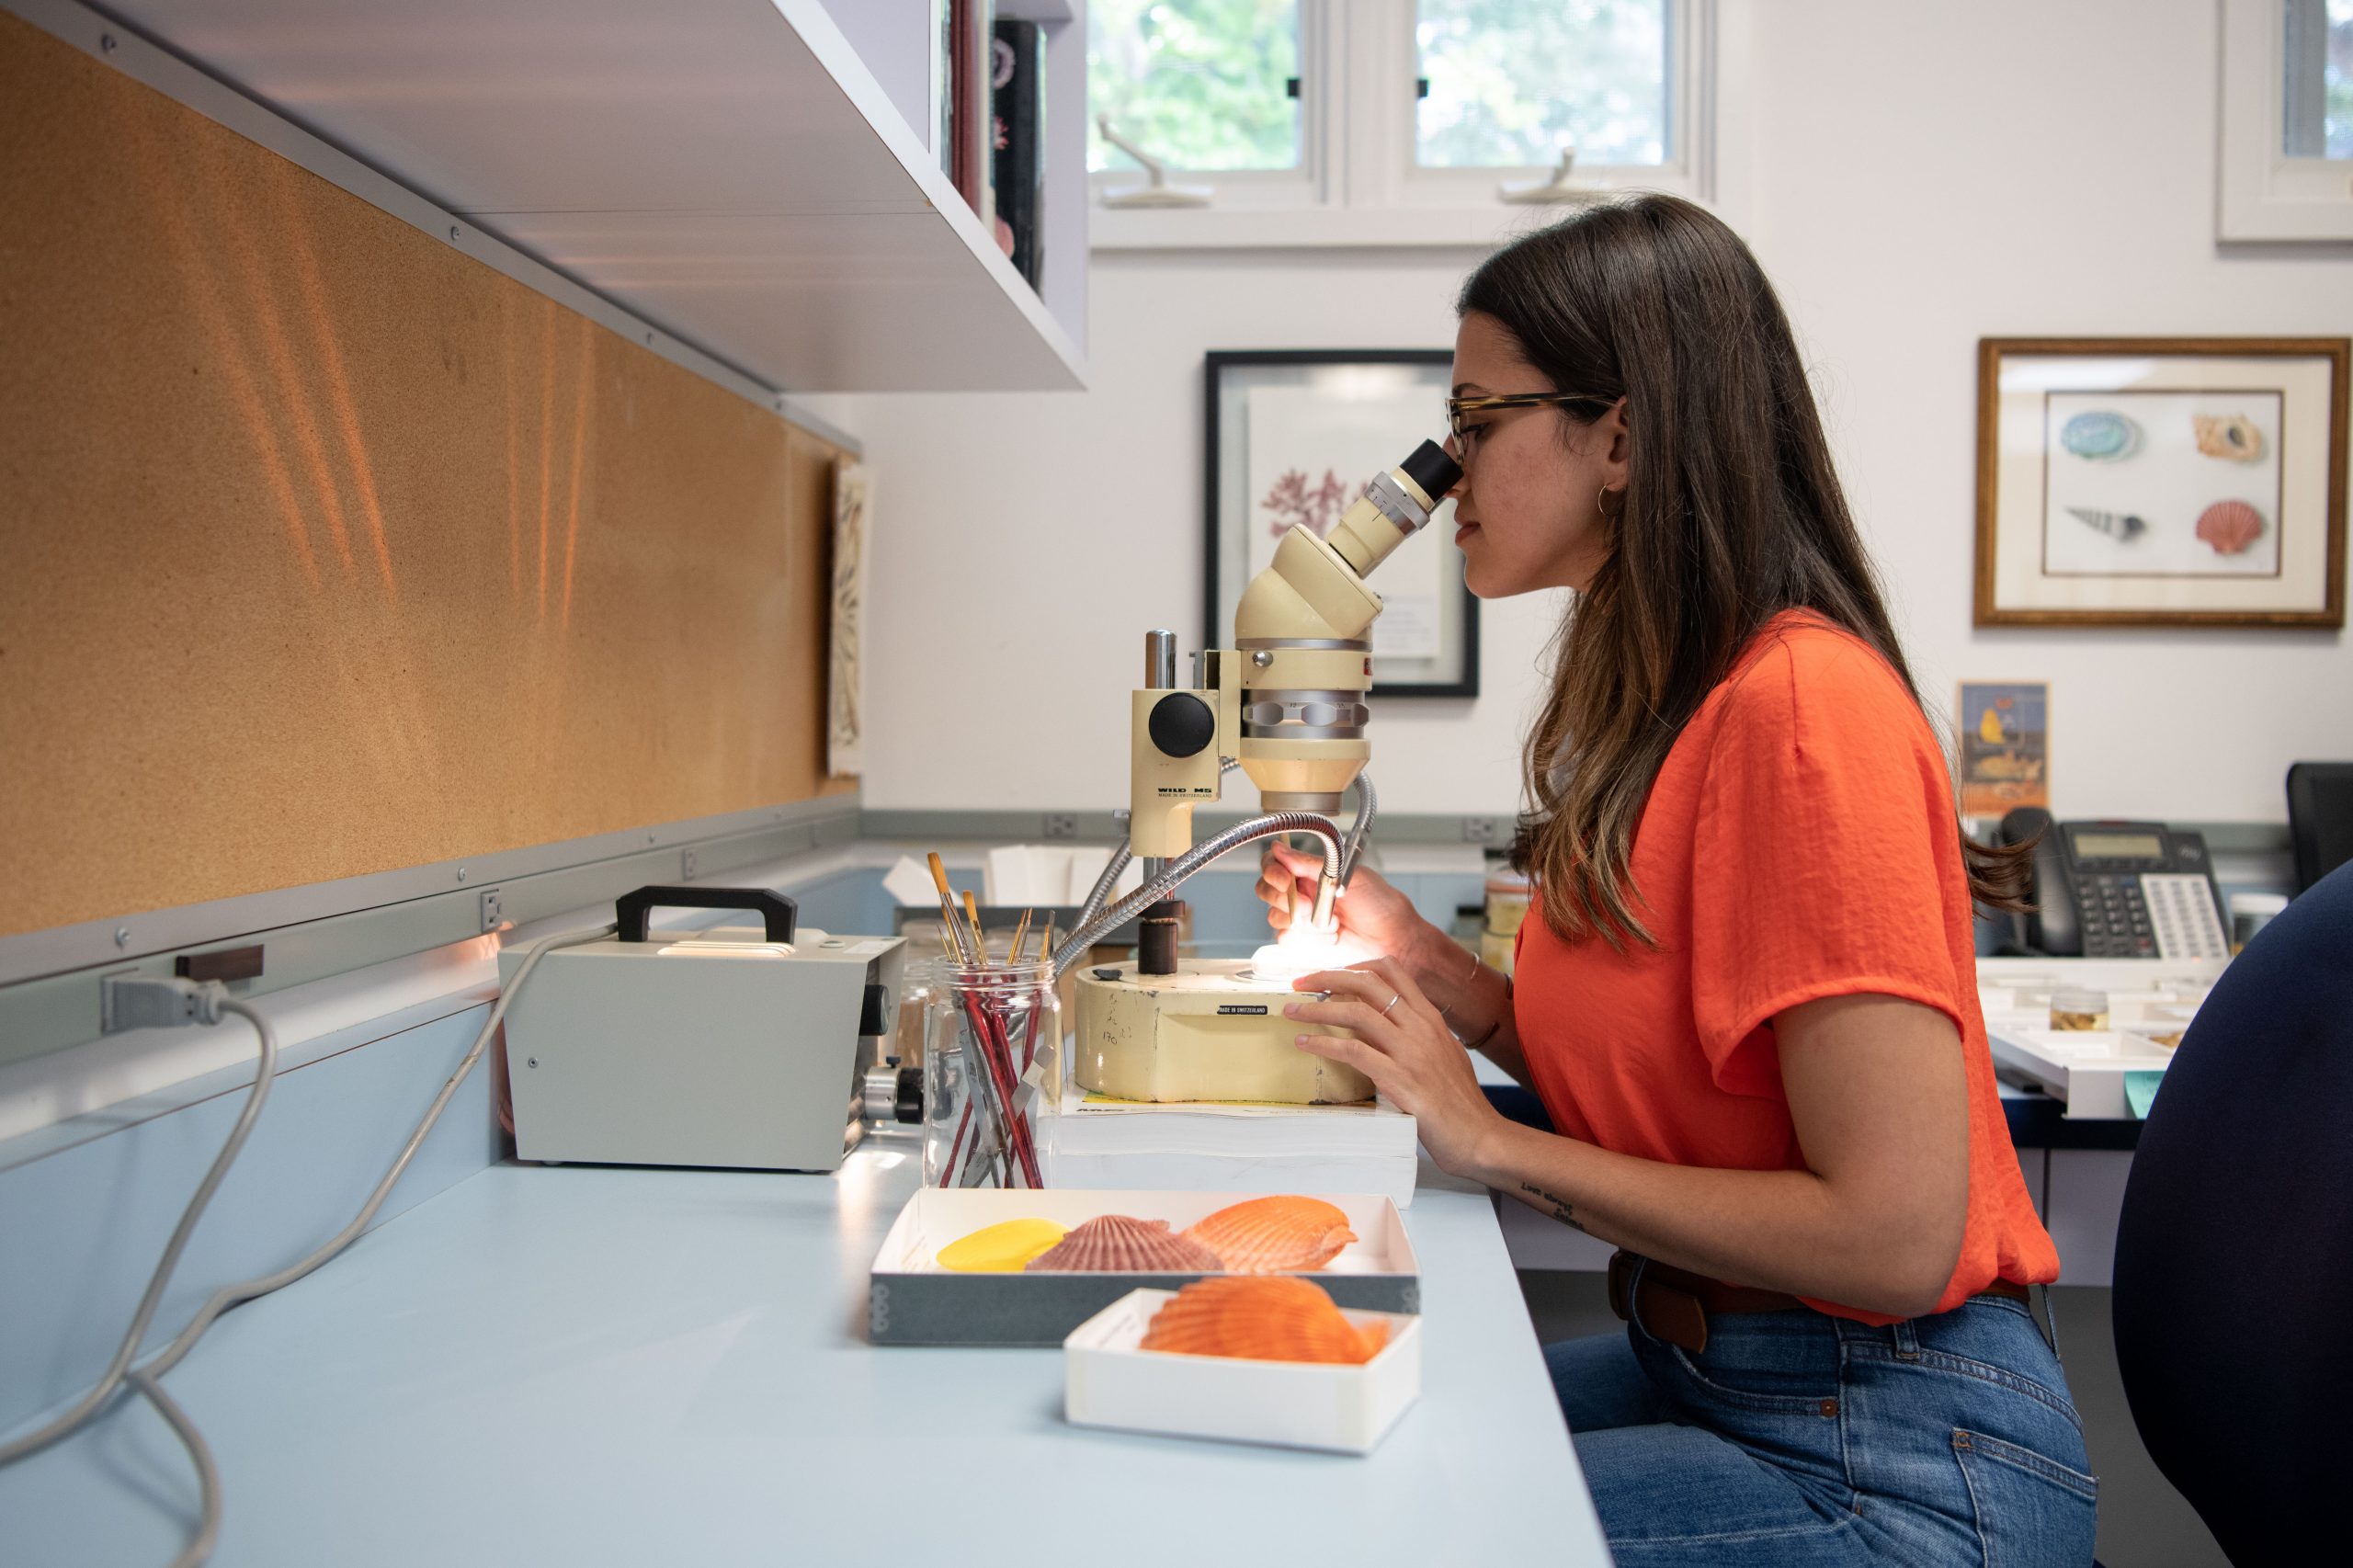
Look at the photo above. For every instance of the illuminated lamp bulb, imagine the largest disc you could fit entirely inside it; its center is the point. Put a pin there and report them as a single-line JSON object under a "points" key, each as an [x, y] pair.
{"points": [[1303, 949]]}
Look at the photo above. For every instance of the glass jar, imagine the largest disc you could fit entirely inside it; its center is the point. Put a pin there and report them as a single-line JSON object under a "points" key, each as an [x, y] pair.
{"points": [[2078, 1007], [2250, 913], [1508, 895], [991, 1036]]}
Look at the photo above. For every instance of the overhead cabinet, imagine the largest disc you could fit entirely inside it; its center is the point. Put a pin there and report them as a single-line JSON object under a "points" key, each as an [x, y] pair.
{"points": [[733, 171]]}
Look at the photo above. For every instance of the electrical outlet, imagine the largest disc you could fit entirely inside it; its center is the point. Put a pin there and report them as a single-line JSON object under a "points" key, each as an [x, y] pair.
{"points": [[1061, 824], [686, 865], [492, 918], [1478, 830]]}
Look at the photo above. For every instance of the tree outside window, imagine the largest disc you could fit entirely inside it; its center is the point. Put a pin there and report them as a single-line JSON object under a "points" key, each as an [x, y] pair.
{"points": [[1202, 83]]}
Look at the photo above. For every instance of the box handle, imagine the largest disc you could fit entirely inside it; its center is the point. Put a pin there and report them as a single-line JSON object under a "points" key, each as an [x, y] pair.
{"points": [[632, 910]]}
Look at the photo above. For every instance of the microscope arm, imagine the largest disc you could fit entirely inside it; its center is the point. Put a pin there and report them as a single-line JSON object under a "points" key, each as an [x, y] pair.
{"points": [[1350, 848], [1174, 874], [1288, 700]]}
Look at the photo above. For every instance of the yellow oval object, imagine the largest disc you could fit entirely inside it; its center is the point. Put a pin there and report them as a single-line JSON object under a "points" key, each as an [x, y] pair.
{"points": [[1003, 1248]]}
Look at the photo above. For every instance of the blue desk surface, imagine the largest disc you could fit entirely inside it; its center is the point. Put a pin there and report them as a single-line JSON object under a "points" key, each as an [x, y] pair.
{"points": [[594, 1366]]}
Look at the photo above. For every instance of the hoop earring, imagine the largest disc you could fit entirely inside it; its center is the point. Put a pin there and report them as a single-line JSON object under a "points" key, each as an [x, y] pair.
{"points": [[1602, 501]]}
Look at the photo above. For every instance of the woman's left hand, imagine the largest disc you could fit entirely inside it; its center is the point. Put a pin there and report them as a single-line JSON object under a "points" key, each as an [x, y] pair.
{"points": [[1406, 1050]]}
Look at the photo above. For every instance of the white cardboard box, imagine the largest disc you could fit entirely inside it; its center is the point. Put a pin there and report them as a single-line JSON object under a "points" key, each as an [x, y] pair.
{"points": [[1084, 1141], [1109, 1381]]}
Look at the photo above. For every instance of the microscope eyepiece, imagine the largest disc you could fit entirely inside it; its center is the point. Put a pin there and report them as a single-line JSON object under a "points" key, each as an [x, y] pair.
{"points": [[1430, 468]]}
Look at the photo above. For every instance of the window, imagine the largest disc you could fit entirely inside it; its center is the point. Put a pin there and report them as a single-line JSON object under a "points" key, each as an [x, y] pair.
{"points": [[1204, 83], [2286, 168], [1387, 121], [2317, 88], [1510, 85]]}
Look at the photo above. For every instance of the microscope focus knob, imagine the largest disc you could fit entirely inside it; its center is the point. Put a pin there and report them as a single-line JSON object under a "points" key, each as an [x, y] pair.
{"points": [[1181, 724]]}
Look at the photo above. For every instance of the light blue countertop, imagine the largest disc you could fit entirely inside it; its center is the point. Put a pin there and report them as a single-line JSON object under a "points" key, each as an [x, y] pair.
{"points": [[594, 1365]]}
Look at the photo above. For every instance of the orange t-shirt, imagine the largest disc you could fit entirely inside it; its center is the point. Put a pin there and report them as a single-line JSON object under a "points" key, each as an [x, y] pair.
{"points": [[1799, 843]]}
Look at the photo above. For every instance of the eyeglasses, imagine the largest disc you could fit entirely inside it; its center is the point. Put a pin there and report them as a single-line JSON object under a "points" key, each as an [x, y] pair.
{"points": [[1456, 407]]}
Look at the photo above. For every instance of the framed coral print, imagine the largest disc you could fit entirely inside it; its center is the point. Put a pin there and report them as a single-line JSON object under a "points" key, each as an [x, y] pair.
{"points": [[2161, 482], [1294, 436]]}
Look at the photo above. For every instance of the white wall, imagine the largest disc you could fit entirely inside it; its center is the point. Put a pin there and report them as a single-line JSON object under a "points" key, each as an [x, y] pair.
{"points": [[1913, 177]]}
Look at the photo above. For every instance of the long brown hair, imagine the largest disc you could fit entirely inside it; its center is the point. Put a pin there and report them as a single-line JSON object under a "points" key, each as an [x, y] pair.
{"points": [[1731, 514]]}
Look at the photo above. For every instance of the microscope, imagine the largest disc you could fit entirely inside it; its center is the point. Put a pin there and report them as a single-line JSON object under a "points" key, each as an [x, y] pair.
{"points": [[1286, 704]]}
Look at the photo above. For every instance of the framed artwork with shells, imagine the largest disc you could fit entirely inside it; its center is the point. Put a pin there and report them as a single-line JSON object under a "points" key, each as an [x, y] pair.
{"points": [[2161, 482]]}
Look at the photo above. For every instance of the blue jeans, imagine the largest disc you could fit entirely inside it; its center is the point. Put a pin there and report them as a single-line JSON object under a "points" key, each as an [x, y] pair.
{"points": [[1797, 1437]]}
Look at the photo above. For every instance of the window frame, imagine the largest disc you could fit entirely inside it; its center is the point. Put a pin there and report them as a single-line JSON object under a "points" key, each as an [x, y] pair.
{"points": [[1359, 183], [2262, 193]]}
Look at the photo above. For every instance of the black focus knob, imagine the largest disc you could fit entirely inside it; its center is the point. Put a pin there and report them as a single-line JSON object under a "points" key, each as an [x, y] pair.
{"points": [[1181, 724]]}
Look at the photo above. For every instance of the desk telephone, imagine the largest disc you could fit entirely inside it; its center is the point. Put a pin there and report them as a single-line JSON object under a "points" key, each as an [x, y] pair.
{"points": [[2117, 889]]}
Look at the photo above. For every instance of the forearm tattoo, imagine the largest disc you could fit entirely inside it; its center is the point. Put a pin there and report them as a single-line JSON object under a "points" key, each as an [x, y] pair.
{"points": [[1554, 1205]]}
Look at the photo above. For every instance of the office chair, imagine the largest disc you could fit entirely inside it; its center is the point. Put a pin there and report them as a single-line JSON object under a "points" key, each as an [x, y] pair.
{"points": [[2234, 1246], [2320, 818]]}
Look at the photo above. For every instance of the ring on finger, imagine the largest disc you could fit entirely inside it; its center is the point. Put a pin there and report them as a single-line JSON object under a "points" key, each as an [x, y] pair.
{"points": [[1394, 998]]}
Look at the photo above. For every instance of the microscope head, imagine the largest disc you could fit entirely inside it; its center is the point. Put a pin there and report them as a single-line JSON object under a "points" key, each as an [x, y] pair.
{"points": [[1301, 631], [1287, 701]]}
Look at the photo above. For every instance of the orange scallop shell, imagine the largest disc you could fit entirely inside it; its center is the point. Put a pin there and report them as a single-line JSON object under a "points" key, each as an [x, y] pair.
{"points": [[1120, 1244], [2230, 527], [1260, 1319], [1275, 1235]]}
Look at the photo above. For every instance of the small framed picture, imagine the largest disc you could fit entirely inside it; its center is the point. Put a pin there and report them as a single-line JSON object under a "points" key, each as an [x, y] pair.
{"points": [[2161, 482], [2003, 732], [1294, 436]]}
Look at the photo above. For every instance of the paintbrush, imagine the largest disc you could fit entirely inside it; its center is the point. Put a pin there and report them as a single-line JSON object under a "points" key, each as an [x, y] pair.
{"points": [[980, 938], [952, 932], [1046, 979], [989, 1040], [948, 909]]}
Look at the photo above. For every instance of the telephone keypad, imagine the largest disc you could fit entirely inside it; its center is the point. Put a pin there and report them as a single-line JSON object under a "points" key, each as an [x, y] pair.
{"points": [[2116, 919]]}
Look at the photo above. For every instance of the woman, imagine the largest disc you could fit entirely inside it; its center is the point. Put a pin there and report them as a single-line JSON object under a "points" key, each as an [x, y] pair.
{"points": [[1746, 995]]}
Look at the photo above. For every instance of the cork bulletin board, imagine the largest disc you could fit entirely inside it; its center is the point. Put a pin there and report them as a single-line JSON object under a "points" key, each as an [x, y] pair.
{"points": [[329, 551]]}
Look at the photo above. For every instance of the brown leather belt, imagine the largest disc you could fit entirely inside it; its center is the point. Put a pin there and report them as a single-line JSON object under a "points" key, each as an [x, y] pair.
{"points": [[1674, 1306]]}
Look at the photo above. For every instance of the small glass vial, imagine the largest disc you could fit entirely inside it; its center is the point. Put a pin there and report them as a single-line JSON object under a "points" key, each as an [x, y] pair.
{"points": [[989, 1035], [2078, 1007]]}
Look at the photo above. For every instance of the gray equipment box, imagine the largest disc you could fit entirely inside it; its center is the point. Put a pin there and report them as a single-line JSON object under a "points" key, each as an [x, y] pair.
{"points": [[739, 1046]]}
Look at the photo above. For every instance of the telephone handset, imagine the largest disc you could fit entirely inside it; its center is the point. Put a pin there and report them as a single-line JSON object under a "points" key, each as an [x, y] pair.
{"points": [[2119, 890]]}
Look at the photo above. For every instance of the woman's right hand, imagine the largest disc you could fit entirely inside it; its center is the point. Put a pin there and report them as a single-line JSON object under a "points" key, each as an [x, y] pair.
{"points": [[1368, 908]]}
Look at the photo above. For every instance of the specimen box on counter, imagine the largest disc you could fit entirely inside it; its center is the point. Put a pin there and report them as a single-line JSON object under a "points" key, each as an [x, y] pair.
{"points": [[1110, 1380], [913, 1299], [1091, 1141]]}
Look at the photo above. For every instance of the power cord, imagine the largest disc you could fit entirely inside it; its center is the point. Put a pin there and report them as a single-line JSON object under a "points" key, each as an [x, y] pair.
{"points": [[208, 1475], [132, 1003], [185, 1000]]}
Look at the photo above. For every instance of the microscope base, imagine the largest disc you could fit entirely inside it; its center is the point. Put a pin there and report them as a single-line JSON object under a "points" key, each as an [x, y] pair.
{"points": [[1210, 1031]]}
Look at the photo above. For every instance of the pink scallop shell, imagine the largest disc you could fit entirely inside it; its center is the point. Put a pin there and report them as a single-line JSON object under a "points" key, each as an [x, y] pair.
{"points": [[2230, 527], [1118, 1243]]}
